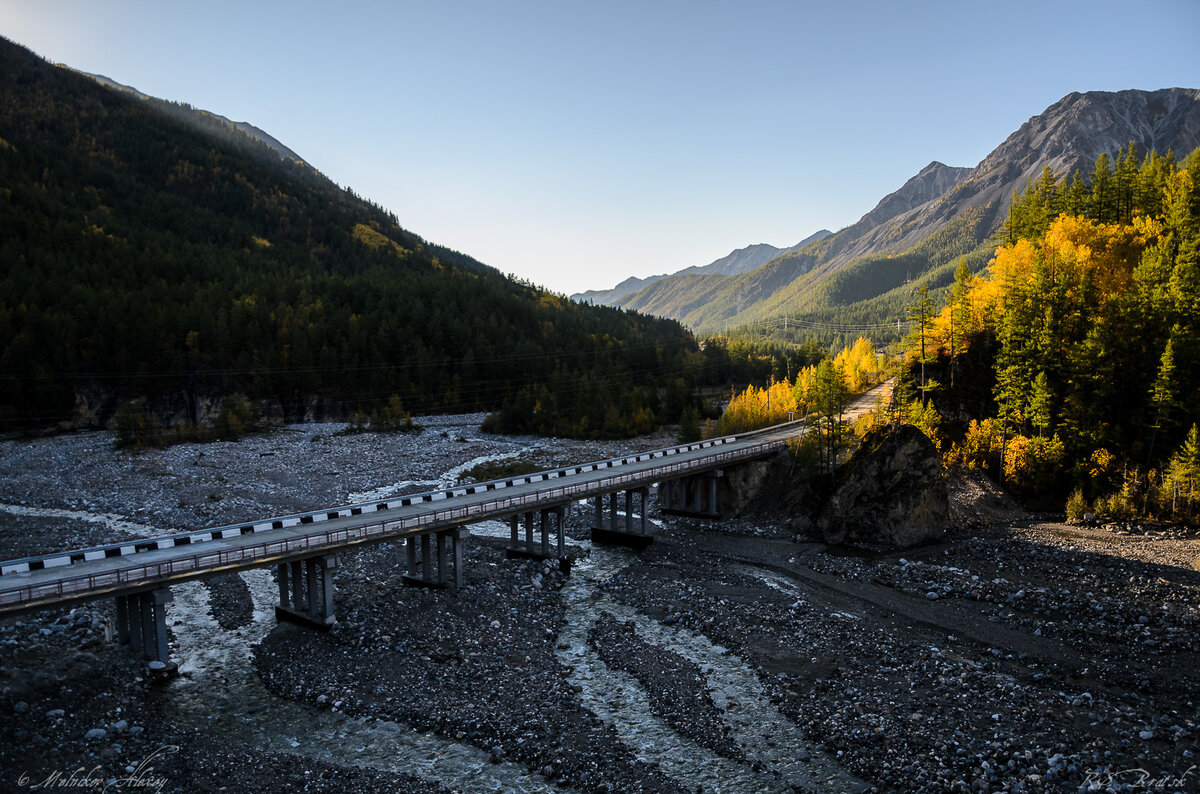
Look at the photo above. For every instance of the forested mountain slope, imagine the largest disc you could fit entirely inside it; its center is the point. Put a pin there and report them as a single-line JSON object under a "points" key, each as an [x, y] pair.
{"points": [[143, 257], [917, 233]]}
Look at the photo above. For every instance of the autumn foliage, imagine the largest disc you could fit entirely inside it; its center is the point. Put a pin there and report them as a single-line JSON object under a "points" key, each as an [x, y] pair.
{"points": [[1092, 309], [858, 367]]}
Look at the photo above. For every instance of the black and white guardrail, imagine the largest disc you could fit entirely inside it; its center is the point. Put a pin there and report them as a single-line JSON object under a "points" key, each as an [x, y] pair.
{"points": [[65, 558], [270, 548]]}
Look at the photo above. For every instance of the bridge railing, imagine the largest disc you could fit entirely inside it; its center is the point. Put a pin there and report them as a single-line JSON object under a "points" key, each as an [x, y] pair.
{"points": [[204, 562], [169, 540]]}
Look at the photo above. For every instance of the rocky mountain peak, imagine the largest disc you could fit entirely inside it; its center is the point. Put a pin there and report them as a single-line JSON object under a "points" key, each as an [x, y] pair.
{"points": [[933, 181]]}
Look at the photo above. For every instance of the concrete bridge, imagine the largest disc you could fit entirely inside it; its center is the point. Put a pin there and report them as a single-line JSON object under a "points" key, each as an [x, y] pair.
{"points": [[303, 547]]}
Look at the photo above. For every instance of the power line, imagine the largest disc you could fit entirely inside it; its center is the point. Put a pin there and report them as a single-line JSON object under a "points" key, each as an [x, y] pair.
{"points": [[787, 323]]}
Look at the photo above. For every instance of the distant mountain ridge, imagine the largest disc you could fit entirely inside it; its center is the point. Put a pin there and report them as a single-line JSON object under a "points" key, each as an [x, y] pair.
{"points": [[741, 260], [940, 214]]}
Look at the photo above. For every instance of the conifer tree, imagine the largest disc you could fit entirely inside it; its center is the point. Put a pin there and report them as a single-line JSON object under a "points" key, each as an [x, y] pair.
{"points": [[920, 312], [1103, 191], [1041, 402], [960, 313], [1162, 394]]}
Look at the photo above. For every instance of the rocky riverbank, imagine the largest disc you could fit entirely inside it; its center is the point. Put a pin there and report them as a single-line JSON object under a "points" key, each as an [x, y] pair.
{"points": [[1018, 654]]}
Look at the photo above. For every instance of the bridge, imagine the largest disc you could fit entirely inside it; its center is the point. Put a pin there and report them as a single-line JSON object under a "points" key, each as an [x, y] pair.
{"points": [[433, 526]]}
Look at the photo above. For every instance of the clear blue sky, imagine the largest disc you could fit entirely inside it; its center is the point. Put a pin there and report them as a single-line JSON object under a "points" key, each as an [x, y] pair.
{"points": [[577, 143]]}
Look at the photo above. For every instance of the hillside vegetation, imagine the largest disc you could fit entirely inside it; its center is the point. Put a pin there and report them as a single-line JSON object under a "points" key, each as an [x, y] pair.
{"points": [[1071, 366], [146, 259]]}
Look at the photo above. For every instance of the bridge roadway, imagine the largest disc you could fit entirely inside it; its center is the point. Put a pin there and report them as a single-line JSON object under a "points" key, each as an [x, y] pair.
{"points": [[137, 566]]}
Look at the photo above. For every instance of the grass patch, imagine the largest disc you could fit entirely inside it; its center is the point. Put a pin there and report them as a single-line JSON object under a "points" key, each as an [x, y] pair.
{"points": [[500, 470]]}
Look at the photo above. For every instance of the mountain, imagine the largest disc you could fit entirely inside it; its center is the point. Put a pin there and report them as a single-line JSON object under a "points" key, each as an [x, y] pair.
{"points": [[943, 213], [742, 260], [237, 132], [151, 252]]}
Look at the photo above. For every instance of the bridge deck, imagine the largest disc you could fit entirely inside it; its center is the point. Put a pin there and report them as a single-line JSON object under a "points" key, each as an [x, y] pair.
{"points": [[64, 577]]}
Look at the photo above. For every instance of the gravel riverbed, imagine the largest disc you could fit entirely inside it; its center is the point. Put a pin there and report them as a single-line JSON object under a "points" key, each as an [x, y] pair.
{"points": [[1021, 654]]}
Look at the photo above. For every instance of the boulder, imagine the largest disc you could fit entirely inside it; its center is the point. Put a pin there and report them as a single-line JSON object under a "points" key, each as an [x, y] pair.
{"points": [[742, 487], [891, 494]]}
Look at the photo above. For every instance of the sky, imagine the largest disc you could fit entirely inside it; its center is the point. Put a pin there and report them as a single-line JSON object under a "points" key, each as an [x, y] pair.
{"points": [[575, 144]]}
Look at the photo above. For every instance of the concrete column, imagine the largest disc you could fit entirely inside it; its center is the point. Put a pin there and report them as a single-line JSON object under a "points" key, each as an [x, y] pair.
{"points": [[426, 561], [561, 514], [281, 578], [306, 591], [327, 563], [612, 513], [645, 493], [628, 510], [600, 511], [156, 603], [137, 628], [297, 585], [459, 535], [712, 495], [123, 619], [513, 524], [441, 557], [545, 519], [410, 547], [529, 531], [142, 623], [312, 586]]}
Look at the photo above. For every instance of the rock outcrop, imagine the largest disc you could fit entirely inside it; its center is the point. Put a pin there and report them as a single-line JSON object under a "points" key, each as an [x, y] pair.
{"points": [[892, 494]]}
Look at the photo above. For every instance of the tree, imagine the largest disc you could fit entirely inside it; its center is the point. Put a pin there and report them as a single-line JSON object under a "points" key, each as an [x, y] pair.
{"points": [[829, 401], [960, 313], [1183, 473], [1041, 404], [1103, 191], [689, 424], [1162, 393], [920, 312]]}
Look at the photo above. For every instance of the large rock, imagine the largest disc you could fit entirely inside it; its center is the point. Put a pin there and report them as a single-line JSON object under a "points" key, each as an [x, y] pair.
{"points": [[741, 489], [892, 494]]}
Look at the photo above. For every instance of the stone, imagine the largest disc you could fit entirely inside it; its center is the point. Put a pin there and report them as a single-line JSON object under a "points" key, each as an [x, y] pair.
{"points": [[891, 494], [744, 486], [96, 733]]}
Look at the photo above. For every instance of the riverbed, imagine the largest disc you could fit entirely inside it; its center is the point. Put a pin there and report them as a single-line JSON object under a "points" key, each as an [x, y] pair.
{"points": [[1021, 654]]}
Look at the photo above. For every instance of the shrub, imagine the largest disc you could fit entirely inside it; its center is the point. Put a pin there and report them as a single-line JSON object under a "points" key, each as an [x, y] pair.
{"points": [[1076, 506], [237, 415], [979, 449], [135, 426], [1033, 463]]}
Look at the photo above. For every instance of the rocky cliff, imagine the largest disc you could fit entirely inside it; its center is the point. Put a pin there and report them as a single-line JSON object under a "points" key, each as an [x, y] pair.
{"points": [[892, 494]]}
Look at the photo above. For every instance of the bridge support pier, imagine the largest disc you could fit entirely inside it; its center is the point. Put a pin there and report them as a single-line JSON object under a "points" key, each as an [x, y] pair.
{"points": [[633, 531], [429, 561], [694, 496], [540, 550], [142, 623], [306, 591]]}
